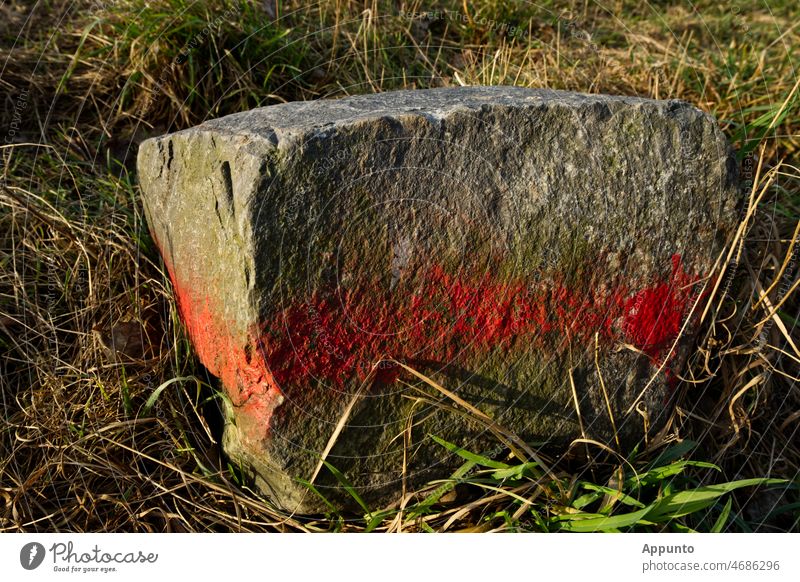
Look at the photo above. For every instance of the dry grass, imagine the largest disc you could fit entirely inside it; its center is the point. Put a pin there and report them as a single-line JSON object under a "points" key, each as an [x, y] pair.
{"points": [[88, 326]]}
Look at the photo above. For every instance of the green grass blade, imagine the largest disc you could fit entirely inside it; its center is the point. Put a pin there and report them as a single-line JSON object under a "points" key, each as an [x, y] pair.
{"points": [[469, 456], [151, 401], [618, 495], [673, 453], [348, 487], [686, 502], [722, 520], [599, 524], [584, 500], [517, 471], [316, 492], [437, 493]]}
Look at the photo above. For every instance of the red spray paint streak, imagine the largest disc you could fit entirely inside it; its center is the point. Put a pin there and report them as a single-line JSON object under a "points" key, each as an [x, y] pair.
{"points": [[654, 316], [336, 336], [339, 336], [238, 364]]}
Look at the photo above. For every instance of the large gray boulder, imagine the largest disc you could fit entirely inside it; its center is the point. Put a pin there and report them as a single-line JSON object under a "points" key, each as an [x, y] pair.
{"points": [[500, 241]]}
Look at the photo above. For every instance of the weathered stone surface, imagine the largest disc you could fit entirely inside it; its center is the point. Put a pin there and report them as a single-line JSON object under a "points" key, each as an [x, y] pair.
{"points": [[490, 237]]}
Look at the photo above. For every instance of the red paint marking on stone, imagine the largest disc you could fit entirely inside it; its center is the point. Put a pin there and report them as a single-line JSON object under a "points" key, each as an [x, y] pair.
{"points": [[654, 316], [338, 336], [335, 337], [240, 365]]}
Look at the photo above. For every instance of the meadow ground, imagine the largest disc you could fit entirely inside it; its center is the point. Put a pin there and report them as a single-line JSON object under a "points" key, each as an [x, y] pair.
{"points": [[107, 418]]}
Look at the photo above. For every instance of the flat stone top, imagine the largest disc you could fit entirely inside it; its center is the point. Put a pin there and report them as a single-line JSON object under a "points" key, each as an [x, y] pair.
{"points": [[285, 120]]}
